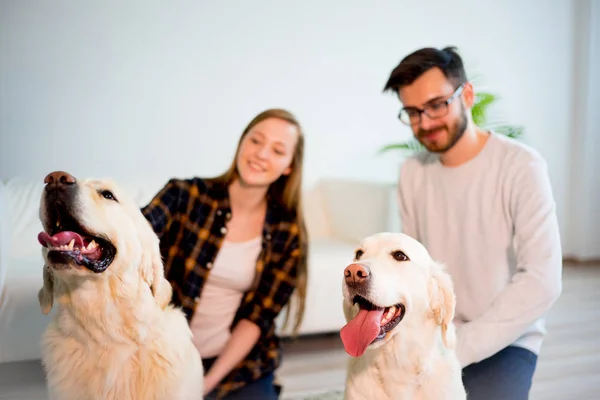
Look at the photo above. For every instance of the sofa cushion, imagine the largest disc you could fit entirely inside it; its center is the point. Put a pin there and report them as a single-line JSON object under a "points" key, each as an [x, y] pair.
{"points": [[358, 209], [22, 197], [323, 309], [317, 222], [21, 320]]}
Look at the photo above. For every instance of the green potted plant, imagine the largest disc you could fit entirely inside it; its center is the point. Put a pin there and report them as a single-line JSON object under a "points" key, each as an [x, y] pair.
{"points": [[480, 114]]}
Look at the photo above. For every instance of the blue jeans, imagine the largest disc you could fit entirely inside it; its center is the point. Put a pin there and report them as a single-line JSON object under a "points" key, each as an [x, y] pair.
{"points": [[505, 375], [263, 389]]}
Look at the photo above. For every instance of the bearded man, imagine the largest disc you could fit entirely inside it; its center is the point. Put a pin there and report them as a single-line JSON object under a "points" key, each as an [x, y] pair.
{"points": [[481, 203]]}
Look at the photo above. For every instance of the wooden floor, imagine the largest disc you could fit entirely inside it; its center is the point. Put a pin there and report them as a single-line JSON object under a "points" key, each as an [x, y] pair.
{"points": [[568, 367]]}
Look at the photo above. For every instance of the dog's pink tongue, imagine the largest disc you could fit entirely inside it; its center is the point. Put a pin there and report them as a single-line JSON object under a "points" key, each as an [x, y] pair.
{"points": [[60, 239], [358, 334]]}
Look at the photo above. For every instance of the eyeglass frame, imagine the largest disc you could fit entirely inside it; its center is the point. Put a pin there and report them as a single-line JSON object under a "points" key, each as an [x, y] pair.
{"points": [[446, 104]]}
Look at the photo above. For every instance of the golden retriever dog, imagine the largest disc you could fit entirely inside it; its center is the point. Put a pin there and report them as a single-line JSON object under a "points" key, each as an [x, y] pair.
{"points": [[399, 305], [114, 335]]}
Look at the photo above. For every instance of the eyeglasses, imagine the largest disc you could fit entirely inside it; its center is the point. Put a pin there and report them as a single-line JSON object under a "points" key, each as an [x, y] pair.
{"points": [[436, 109]]}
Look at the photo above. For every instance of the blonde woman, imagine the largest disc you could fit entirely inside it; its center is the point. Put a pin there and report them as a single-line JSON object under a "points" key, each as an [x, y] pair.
{"points": [[235, 250]]}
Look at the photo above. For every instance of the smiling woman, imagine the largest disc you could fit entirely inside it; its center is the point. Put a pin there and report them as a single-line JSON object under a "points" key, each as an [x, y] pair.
{"points": [[235, 252]]}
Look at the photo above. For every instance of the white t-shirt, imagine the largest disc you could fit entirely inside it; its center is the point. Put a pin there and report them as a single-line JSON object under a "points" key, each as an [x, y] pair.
{"points": [[492, 222], [232, 274]]}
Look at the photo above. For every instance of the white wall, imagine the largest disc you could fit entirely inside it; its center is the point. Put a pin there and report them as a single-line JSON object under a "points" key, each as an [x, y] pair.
{"points": [[105, 88], [583, 232]]}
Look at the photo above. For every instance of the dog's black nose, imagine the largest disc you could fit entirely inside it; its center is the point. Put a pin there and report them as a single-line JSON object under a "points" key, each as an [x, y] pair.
{"points": [[59, 178], [357, 273]]}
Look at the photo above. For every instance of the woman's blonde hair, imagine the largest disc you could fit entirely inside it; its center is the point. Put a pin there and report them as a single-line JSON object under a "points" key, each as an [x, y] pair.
{"points": [[287, 191]]}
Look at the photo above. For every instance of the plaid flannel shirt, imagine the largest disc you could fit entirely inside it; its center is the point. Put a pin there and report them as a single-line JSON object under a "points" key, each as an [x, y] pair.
{"points": [[189, 217]]}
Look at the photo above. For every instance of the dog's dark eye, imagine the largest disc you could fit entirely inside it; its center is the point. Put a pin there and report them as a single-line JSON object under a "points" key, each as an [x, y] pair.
{"points": [[399, 256], [107, 194], [358, 254]]}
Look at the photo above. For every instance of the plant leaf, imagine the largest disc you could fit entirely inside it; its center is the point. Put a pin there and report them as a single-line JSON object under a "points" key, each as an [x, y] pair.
{"points": [[511, 131], [410, 146], [480, 107]]}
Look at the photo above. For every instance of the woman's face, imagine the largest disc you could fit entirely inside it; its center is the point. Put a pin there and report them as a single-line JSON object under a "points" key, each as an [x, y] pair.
{"points": [[266, 152]]}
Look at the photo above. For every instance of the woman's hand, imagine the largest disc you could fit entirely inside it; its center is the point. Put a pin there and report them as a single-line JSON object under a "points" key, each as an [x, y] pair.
{"points": [[210, 382], [243, 338]]}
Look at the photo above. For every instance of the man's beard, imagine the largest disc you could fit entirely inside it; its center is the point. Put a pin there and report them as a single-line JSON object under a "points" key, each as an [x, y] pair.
{"points": [[454, 135]]}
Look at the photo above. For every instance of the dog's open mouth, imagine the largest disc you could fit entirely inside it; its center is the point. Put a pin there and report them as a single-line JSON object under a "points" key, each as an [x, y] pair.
{"points": [[68, 242], [371, 324]]}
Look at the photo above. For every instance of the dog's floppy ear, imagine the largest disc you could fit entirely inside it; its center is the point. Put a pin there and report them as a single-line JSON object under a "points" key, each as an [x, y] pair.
{"points": [[161, 288], [442, 302], [153, 270], [46, 293]]}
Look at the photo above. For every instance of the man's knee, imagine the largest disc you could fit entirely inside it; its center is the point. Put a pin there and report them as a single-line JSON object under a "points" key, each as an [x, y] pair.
{"points": [[506, 375]]}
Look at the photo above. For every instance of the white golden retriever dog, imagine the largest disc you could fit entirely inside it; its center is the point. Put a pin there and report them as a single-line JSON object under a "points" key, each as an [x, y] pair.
{"points": [[114, 336], [399, 305]]}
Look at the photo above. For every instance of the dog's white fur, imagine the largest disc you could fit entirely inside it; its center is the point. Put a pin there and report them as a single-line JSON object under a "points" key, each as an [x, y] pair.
{"points": [[114, 336], [416, 360]]}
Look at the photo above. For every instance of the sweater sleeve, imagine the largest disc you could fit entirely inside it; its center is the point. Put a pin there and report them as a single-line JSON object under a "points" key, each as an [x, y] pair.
{"points": [[536, 284]]}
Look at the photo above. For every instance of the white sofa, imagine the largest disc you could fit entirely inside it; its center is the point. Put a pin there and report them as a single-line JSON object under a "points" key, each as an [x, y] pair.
{"points": [[338, 214]]}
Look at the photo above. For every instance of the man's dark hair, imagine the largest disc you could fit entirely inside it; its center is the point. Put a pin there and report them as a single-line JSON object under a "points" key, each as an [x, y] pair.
{"points": [[422, 60]]}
